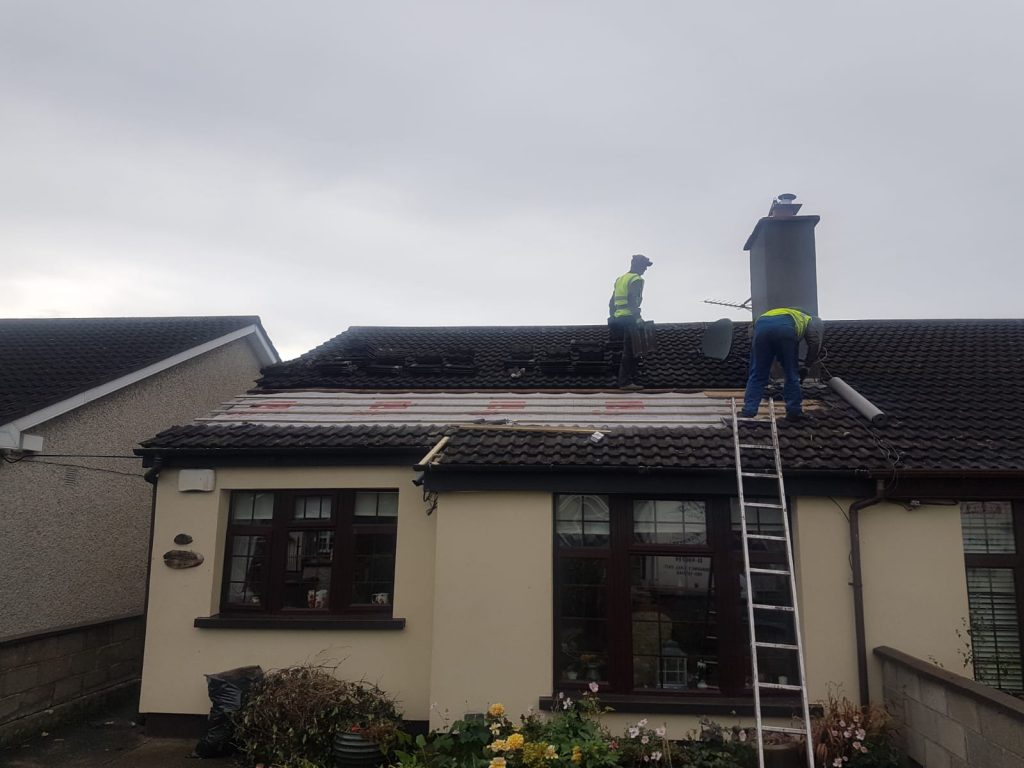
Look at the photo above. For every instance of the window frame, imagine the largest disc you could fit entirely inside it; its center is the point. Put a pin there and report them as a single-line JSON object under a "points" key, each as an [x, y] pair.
{"points": [[1006, 561], [722, 545], [345, 526]]}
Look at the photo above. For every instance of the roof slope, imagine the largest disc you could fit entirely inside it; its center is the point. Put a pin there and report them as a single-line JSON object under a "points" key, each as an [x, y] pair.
{"points": [[45, 361], [952, 390]]}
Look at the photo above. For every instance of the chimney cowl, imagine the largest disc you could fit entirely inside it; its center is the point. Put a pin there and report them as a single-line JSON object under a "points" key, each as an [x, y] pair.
{"points": [[784, 205]]}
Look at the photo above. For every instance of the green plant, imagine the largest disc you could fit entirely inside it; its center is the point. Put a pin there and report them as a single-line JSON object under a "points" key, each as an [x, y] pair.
{"points": [[850, 736], [292, 717]]}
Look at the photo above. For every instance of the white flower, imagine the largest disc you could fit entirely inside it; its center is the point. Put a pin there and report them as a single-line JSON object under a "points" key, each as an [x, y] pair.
{"points": [[567, 704], [837, 763], [743, 735], [861, 734], [645, 739], [561, 694], [633, 731], [660, 732], [842, 723], [846, 734], [647, 758], [856, 745], [643, 723], [863, 749], [594, 687], [655, 755]]}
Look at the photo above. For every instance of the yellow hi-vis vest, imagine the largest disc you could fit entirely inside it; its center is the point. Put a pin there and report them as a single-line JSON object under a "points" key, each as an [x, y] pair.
{"points": [[799, 318], [621, 294]]}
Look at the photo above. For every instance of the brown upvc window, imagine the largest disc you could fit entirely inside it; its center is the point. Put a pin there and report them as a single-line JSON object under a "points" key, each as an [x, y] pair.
{"points": [[650, 598], [310, 552], [993, 536]]}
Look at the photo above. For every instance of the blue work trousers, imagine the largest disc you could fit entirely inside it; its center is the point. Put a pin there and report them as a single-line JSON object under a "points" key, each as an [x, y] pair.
{"points": [[774, 339]]}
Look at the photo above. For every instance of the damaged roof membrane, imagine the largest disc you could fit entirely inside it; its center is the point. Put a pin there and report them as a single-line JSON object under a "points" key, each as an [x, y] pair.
{"points": [[590, 410]]}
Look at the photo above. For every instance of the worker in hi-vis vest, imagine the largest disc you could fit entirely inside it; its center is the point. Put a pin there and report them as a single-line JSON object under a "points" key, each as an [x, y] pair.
{"points": [[777, 335], [624, 314]]}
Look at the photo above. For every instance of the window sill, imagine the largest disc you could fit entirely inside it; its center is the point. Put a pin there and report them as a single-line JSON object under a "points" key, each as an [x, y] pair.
{"points": [[699, 704], [220, 621]]}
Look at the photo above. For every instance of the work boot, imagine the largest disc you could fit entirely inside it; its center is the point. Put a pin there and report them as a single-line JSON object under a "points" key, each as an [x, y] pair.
{"points": [[794, 415]]}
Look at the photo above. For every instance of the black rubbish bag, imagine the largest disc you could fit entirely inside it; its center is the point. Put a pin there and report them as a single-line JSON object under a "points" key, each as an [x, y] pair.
{"points": [[227, 694]]}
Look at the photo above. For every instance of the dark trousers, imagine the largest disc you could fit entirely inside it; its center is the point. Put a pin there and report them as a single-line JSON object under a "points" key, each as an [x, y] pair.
{"points": [[619, 332], [774, 339]]}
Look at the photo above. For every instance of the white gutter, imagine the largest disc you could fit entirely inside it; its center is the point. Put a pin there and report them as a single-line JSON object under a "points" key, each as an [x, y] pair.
{"points": [[11, 434]]}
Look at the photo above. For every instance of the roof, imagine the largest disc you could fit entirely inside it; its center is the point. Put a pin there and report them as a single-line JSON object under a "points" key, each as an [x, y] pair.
{"points": [[949, 387], [47, 361]]}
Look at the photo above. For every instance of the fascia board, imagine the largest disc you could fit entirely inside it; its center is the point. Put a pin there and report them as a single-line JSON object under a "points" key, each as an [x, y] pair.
{"points": [[77, 401], [264, 349]]}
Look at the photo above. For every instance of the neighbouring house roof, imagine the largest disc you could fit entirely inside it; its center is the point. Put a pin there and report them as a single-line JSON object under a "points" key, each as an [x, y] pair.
{"points": [[951, 389], [47, 364]]}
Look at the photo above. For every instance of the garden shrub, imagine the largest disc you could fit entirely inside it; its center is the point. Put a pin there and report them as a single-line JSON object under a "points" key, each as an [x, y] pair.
{"points": [[850, 736], [292, 717]]}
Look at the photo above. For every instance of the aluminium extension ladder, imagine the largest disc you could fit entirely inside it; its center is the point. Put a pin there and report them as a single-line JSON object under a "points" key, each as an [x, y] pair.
{"points": [[740, 444]]}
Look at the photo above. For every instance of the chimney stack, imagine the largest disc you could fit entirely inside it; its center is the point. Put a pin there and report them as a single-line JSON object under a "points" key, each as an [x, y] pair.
{"points": [[782, 259]]}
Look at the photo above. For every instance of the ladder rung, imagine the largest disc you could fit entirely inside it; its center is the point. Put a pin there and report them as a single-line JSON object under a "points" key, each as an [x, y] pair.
{"points": [[783, 646], [760, 474], [765, 537], [783, 729], [773, 571], [765, 446], [780, 686], [764, 504], [764, 607]]}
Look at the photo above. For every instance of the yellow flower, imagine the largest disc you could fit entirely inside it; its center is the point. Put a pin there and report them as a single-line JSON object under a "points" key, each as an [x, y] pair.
{"points": [[497, 762], [498, 745], [551, 753], [577, 755], [514, 741], [496, 710]]}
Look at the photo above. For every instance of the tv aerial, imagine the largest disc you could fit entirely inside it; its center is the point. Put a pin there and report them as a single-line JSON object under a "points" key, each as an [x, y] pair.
{"points": [[744, 305]]}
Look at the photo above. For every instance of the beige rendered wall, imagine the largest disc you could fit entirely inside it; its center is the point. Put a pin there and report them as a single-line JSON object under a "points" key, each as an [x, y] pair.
{"points": [[76, 530], [915, 590], [492, 602], [178, 655]]}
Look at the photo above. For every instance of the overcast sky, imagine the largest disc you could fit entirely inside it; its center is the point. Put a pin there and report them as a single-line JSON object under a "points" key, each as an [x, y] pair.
{"points": [[329, 164]]}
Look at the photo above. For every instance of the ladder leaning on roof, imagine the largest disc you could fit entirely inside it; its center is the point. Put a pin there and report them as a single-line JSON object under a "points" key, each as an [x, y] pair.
{"points": [[753, 609]]}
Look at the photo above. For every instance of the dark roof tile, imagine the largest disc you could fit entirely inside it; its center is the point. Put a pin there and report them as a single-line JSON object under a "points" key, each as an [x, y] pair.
{"points": [[44, 361]]}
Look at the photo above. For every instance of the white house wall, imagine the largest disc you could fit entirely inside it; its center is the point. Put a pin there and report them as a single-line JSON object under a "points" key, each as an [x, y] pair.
{"points": [[915, 589], [474, 582], [177, 654]]}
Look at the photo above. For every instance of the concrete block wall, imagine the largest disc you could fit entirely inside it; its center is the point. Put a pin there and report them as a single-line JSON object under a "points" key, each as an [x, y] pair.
{"points": [[49, 678], [946, 720]]}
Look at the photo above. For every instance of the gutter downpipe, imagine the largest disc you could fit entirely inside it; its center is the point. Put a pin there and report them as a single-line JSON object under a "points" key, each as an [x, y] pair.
{"points": [[152, 476], [858, 587]]}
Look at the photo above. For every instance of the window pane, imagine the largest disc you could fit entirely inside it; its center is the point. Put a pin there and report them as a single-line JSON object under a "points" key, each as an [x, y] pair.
{"points": [[582, 521], [247, 571], [675, 635], [995, 628], [987, 527], [314, 508], [307, 578], [774, 665], [582, 621], [376, 504], [681, 523], [373, 578], [252, 507], [759, 520]]}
